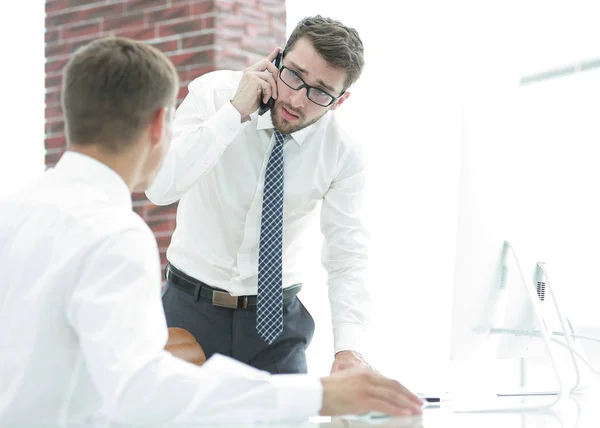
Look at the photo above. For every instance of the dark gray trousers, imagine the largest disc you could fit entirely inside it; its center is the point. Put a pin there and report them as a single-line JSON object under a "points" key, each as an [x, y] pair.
{"points": [[232, 332]]}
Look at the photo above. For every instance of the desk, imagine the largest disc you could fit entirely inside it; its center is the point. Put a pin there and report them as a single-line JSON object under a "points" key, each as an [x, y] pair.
{"points": [[576, 412]]}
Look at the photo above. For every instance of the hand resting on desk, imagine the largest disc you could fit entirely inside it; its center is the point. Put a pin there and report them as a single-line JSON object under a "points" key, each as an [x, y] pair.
{"points": [[182, 344], [362, 390]]}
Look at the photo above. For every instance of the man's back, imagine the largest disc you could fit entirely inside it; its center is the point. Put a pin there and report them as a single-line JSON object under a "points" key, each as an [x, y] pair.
{"points": [[48, 233]]}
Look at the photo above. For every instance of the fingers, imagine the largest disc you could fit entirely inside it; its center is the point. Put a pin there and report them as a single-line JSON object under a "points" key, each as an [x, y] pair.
{"points": [[266, 64], [392, 396], [268, 85], [265, 90], [273, 54], [402, 389]]}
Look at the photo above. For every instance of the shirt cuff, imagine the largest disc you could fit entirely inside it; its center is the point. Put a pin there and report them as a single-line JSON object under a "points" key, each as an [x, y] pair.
{"points": [[299, 397], [226, 122], [350, 337]]}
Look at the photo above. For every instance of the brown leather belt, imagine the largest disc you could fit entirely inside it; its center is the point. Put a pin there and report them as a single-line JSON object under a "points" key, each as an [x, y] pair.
{"points": [[199, 290]]}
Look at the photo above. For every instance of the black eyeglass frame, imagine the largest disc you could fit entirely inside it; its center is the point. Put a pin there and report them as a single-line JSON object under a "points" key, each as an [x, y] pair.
{"points": [[308, 87]]}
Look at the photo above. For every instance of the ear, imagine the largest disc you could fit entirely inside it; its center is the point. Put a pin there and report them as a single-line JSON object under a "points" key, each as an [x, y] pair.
{"points": [[340, 101], [157, 126]]}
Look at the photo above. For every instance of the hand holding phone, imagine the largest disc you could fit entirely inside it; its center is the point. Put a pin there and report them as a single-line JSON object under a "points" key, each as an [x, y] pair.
{"points": [[257, 86], [265, 107]]}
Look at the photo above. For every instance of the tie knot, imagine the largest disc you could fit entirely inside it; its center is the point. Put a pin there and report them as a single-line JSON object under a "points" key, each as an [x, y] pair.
{"points": [[279, 137]]}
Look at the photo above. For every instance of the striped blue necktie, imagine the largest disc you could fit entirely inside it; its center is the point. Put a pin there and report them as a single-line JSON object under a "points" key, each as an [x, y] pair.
{"points": [[269, 304]]}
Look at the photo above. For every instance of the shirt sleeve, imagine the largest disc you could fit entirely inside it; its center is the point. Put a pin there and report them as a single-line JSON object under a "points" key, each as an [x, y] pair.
{"points": [[345, 253], [205, 124], [116, 312]]}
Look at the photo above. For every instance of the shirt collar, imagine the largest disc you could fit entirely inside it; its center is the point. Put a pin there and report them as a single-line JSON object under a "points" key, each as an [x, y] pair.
{"points": [[79, 166], [265, 122]]}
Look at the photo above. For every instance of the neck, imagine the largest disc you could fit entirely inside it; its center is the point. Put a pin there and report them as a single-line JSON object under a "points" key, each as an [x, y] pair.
{"points": [[126, 164]]}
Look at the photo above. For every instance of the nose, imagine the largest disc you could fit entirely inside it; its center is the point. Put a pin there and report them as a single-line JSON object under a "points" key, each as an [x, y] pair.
{"points": [[298, 98]]}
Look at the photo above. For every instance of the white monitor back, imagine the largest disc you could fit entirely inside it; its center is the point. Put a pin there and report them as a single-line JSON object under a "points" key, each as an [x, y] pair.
{"points": [[530, 175]]}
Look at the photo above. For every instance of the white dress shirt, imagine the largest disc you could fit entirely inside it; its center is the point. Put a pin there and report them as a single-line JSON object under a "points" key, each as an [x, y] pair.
{"points": [[216, 169], [83, 329]]}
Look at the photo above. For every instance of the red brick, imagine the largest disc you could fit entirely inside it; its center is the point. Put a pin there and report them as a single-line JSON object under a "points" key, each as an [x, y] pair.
{"points": [[73, 46], [143, 4], [51, 36], [183, 91], [53, 113], [276, 9], [53, 81], [140, 207], [163, 260], [125, 22], [202, 7], [54, 143], [193, 73], [50, 159], [208, 21], [88, 3], [177, 12], [138, 196], [163, 242], [56, 5], [234, 61], [231, 22], [258, 45], [230, 37], [103, 11], [80, 30], [181, 27], [57, 50], [168, 46], [55, 127], [198, 41], [193, 58], [161, 211], [144, 33], [226, 6], [254, 16], [54, 101], [55, 65], [162, 225]]}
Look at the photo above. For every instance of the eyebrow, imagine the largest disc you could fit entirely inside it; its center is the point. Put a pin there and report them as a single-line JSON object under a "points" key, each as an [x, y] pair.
{"points": [[319, 81]]}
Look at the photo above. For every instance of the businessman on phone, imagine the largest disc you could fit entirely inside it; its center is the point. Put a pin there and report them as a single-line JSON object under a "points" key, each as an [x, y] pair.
{"points": [[247, 177]]}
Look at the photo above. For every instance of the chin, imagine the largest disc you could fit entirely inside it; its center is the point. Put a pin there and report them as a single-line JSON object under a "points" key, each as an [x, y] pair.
{"points": [[284, 126]]}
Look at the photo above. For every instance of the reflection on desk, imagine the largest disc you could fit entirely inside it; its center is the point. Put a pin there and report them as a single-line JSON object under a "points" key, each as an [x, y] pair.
{"points": [[581, 411], [577, 412]]}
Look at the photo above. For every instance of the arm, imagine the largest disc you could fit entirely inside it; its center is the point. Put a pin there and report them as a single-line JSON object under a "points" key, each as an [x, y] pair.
{"points": [[205, 124], [345, 253], [207, 121], [115, 310]]}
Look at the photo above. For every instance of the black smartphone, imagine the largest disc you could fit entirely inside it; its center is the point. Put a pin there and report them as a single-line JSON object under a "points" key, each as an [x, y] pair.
{"points": [[265, 107]]}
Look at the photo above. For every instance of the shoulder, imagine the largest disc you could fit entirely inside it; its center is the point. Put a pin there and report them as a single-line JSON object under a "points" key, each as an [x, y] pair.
{"points": [[348, 149]]}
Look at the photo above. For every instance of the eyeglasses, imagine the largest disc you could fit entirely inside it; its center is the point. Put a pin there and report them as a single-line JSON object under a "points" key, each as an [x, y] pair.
{"points": [[316, 95]]}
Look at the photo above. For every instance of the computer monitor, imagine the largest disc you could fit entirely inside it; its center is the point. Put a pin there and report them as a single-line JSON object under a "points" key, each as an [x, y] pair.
{"points": [[529, 183]]}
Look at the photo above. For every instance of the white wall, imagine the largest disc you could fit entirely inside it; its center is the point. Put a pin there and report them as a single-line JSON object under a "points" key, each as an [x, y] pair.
{"points": [[22, 92], [423, 60]]}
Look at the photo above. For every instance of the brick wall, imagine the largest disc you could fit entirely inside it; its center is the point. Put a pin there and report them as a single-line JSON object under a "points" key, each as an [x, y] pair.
{"points": [[198, 35]]}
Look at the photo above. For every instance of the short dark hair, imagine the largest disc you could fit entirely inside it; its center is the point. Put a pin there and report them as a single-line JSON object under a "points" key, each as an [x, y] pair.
{"points": [[111, 88], [338, 44]]}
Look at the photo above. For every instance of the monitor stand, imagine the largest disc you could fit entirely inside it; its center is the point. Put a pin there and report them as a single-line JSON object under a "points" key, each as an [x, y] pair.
{"points": [[528, 401]]}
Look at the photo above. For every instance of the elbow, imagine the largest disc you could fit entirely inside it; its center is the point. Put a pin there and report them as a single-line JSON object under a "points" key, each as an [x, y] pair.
{"points": [[160, 197], [156, 199]]}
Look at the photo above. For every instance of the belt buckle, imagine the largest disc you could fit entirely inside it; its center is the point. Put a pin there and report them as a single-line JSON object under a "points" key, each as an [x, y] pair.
{"points": [[224, 300]]}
